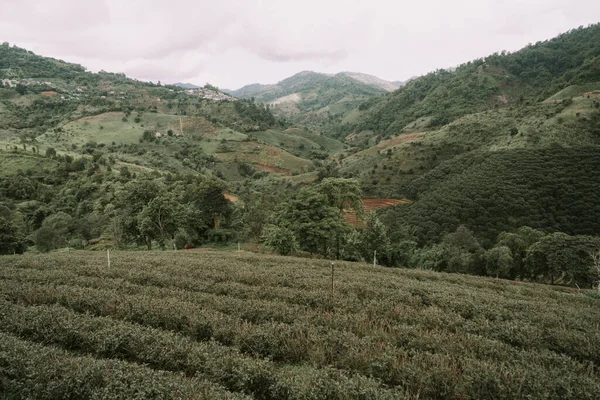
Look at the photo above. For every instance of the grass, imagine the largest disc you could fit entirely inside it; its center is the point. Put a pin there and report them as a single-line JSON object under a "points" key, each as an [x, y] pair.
{"points": [[299, 141], [297, 145], [268, 327], [575, 90], [333, 146], [264, 157], [10, 163], [110, 127]]}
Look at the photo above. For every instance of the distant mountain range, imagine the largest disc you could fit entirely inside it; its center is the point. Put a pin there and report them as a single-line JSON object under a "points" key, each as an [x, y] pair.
{"points": [[311, 97]]}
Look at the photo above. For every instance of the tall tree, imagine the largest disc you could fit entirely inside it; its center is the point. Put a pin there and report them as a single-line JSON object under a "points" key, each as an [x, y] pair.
{"points": [[313, 221], [159, 219], [343, 194]]}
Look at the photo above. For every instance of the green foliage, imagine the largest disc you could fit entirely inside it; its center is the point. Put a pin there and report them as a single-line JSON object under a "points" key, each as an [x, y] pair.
{"points": [[54, 232], [11, 240], [499, 261], [32, 370], [490, 192], [560, 258], [262, 326], [160, 219], [535, 72], [282, 240], [313, 221]]}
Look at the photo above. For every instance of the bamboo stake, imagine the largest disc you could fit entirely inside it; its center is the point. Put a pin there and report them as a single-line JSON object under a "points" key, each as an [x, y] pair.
{"points": [[332, 290]]}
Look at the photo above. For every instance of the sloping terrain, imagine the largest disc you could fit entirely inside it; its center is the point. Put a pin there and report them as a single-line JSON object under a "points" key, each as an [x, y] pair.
{"points": [[526, 76], [264, 327], [310, 98]]}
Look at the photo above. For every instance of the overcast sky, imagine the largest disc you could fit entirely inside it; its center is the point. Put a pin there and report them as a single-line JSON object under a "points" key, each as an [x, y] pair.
{"points": [[231, 43]]}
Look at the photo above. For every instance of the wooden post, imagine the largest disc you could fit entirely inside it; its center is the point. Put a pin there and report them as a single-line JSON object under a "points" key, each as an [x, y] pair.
{"points": [[375, 258], [108, 257], [332, 279]]}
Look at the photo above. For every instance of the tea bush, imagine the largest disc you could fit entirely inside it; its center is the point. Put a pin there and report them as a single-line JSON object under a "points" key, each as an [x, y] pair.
{"points": [[268, 327]]}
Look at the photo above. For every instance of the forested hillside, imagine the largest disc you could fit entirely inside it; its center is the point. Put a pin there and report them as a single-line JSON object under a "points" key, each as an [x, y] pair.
{"points": [[500, 80], [492, 166], [312, 98]]}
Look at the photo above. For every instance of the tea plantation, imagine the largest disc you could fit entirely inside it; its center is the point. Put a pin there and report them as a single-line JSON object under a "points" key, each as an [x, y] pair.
{"points": [[206, 325]]}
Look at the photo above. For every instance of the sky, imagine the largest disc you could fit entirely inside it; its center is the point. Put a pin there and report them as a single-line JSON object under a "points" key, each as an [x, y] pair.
{"points": [[231, 43]]}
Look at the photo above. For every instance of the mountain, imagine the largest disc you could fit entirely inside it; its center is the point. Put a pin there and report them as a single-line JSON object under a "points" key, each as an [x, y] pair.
{"points": [[503, 141], [186, 85], [500, 142], [312, 98], [499, 80], [402, 83], [371, 80]]}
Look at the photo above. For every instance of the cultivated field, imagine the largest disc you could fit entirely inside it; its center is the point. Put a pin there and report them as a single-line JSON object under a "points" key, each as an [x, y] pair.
{"points": [[215, 325]]}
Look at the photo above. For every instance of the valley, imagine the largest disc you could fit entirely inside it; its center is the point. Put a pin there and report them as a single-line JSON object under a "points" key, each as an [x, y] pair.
{"points": [[328, 236], [477, 151]]}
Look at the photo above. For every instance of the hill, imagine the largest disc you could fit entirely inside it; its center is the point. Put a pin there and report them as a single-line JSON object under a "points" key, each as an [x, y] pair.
{"points": [[186, 85], [52, 105], [499, 149], [499, 80], [480, 146], [372, 81], [248, 326], [312, 98]]}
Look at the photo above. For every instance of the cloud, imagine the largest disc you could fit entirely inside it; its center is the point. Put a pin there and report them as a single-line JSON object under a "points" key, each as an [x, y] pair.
{"points": [[279, 56], [234, 42]]}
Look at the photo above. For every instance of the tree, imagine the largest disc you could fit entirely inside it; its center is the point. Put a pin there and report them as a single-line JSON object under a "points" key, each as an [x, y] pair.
{"points": [[159, 219], [518, 243], [255, 216], [10, 239], [561, 258], [430, 258], [313, 221], [499, 261], [117, 230], [343, 194], [374, 238], [50, 152], [462, 252], [282, 240], [21, 89], [54, 232], [208, 197]]}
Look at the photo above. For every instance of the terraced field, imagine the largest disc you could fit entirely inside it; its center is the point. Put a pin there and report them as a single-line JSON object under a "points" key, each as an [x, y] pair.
{"points": [[216, 325]]}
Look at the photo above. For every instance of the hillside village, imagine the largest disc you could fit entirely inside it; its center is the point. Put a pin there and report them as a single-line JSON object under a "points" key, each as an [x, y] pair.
{"points": [[210, 94]]}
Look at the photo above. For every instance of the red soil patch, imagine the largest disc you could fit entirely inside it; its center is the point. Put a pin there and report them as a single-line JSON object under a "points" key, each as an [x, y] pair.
{"points": [[371, 205], [231, 197], [350, 137], [273, 151], [272, 169], [593, 94], [49, 93], [384, 144], [408, 137]]}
